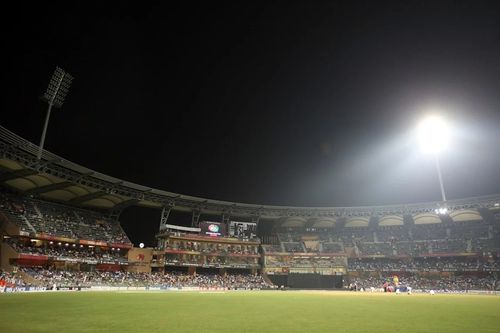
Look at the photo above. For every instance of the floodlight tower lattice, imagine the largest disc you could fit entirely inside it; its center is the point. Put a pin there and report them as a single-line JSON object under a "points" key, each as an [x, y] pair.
{"points": [[56, 93]]}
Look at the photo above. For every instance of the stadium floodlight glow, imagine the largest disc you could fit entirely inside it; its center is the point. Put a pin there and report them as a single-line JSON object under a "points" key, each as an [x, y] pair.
{"points": [[433, 134], [54, 95], [441, 211]]}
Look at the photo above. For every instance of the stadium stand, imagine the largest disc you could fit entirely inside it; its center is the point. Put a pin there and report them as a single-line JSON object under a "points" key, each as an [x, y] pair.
{"points": [[441, 284], [438, 248], [58, 278], [413, 252], [48, 241], [293, 247], [329, 247], [66, 250], [39, 217], [267, 248], [447, 264]]}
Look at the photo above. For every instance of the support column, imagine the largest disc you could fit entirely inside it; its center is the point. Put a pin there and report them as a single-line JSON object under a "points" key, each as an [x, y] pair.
{"points": [[195, 218], [165, 213], [225, 219], [256, 219], [115, 214]]}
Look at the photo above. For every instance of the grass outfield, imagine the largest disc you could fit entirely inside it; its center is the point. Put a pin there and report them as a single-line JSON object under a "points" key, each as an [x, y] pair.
{"points": [[261, 312]]}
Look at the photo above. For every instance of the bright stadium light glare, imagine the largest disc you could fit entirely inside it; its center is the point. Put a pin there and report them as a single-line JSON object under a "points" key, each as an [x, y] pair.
{"points": [[433, 134], [441, 211]]}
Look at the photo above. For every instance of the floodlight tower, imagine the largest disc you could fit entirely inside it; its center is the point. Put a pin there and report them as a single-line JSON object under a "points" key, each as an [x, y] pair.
{"points": [[56, 93], [433, 135]]}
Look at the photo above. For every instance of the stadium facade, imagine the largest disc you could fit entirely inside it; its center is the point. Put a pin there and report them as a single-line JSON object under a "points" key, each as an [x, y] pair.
{"points": [[59, 215]]}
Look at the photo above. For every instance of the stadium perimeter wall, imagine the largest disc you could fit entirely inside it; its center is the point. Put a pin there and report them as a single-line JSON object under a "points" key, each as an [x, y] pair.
{"points": [[307, 281]]}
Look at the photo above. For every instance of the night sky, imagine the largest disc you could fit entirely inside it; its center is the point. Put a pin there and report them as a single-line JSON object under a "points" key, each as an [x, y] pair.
{"points": [[311, 104]]}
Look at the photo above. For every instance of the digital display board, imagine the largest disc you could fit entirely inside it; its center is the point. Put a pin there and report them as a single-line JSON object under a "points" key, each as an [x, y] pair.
{"points": [[212, 228], [246, 230]]}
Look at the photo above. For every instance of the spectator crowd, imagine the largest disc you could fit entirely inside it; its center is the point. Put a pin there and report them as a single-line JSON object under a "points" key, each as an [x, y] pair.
{"points": [[60, 278], [424, 264], [66, 250], [35, 216], [438, 284]]}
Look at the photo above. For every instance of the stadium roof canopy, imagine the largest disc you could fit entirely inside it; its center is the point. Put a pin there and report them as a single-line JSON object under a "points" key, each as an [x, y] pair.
{"points": [[57, 179]]}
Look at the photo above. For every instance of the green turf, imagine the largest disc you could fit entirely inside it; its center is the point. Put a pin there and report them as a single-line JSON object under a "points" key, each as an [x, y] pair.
{"points": [[261, 312]]}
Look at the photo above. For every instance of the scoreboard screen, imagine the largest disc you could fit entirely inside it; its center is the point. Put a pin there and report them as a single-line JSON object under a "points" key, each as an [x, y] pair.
{"points": [[212, 228], [246, 230]]}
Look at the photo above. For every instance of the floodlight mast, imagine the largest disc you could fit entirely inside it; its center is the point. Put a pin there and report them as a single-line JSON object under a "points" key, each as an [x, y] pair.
{"points": [[56, 93], [438, 167]]}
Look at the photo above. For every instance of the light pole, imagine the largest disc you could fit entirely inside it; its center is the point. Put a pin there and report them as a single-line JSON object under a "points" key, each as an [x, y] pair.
{"points": [[56, 93], [438, 167], [433, 135]]}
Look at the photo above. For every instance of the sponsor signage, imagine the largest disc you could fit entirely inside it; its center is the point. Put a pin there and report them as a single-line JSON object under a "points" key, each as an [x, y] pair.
{"points": [[54, 238], [181, 228], [120, 245], [181, 252], [95, 243], [243, 255], [33, 257]]}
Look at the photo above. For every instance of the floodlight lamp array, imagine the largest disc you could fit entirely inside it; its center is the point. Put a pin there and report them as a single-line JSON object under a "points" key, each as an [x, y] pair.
{"points": [[441, 211], [433, 134], [58, 87]]}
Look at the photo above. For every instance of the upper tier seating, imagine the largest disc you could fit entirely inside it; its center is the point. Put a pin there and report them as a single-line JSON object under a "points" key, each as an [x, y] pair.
{"points": [[35, 216]]}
